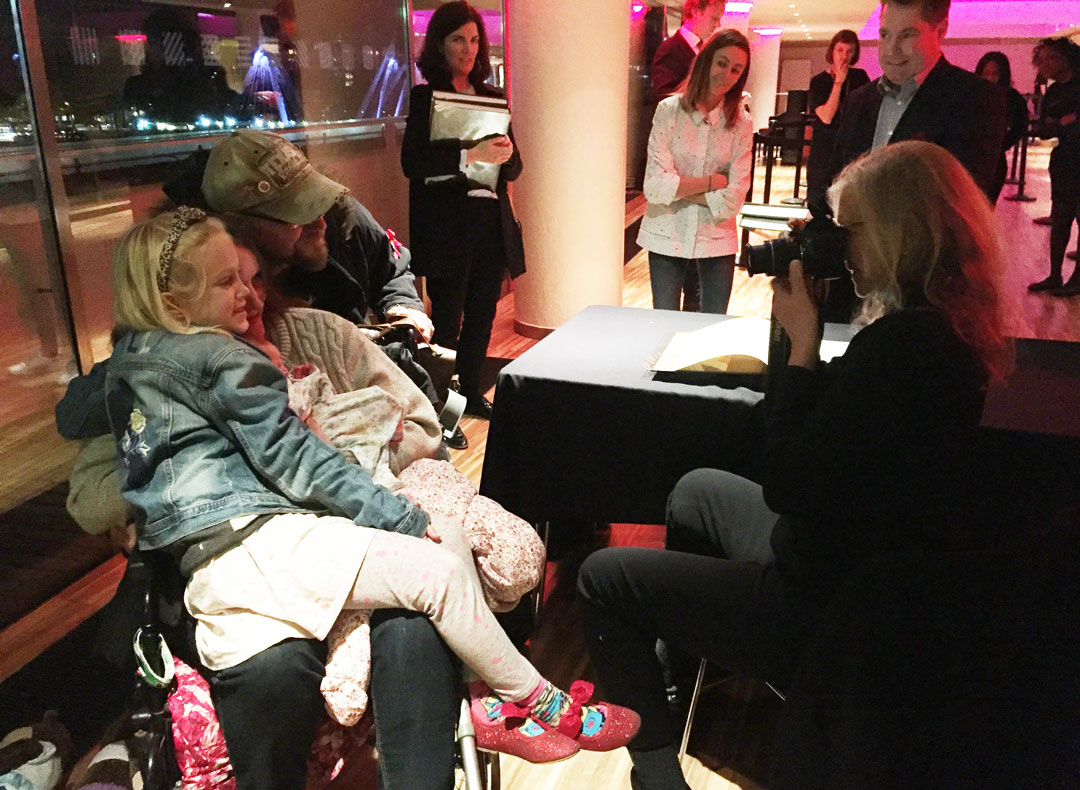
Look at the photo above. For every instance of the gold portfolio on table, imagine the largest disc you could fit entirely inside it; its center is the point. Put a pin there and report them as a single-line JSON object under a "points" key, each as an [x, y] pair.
{"points": [[734, 345]]}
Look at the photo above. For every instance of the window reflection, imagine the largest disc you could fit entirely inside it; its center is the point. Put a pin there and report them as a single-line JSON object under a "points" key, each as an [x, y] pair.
{"points": [[36, 359], [137, 87], [136, 69]]}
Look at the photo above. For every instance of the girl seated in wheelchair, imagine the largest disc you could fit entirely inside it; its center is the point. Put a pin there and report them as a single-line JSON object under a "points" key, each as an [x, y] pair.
{"points": [[274, 531]]}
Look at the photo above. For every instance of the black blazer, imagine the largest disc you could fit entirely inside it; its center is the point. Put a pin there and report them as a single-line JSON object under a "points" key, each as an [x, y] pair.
{"points": [[670, 65], [440, 214], [953, 108]]}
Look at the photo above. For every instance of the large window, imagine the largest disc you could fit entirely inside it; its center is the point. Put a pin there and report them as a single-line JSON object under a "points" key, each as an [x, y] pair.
{"points": [[135, 87], [132, 69], [36, 359]]}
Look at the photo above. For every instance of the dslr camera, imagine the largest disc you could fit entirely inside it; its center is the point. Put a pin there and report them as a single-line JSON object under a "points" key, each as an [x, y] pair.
{"points": [[820, 244]]}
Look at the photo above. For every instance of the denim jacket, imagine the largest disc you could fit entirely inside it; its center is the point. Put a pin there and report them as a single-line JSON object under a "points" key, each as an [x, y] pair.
{"points": [[205, 434]]}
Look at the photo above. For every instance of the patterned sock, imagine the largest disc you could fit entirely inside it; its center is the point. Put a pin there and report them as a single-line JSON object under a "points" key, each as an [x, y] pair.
{"points": [[493, 710], [549, 705]]}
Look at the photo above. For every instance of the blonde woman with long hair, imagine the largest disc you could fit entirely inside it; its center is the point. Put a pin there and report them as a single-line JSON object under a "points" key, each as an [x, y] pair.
{"points": [[871, 453]]}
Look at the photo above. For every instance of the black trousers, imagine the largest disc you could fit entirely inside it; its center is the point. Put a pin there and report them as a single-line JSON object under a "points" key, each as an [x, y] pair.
{"points": [[1064, 206], [741, 615], [463, 306], [270, 705]]}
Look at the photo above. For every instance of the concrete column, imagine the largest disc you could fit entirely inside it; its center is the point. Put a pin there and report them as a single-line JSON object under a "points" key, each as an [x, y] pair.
{"points": [[764, 72], [737, 16], [568, 96]]}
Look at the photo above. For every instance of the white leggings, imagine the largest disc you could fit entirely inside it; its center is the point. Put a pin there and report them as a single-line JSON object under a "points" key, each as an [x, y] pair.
{"points": [[440, 581]]}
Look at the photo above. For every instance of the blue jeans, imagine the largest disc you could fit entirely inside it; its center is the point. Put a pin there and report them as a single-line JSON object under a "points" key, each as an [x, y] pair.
{"points": [[666, 275]]}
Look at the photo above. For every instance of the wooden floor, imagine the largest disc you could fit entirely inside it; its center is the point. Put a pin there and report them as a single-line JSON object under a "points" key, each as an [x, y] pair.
{"points": [[556, 644]]}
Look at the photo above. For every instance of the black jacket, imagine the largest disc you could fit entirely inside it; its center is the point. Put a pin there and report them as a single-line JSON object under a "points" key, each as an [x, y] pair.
{"points": [[874, 451], [365, 269], [953, 108], [439, 213]]}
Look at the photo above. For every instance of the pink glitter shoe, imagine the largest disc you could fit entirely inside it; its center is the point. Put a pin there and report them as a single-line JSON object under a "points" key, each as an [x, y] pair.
{"points": [[526, 739], [602, 728]]}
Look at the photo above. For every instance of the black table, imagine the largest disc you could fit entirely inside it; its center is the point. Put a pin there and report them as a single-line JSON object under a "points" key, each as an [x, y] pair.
{"points": [[583, 430]]}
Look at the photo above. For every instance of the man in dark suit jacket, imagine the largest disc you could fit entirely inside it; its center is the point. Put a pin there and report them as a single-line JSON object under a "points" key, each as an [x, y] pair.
{"points": [[672, 60], [920, 96]]}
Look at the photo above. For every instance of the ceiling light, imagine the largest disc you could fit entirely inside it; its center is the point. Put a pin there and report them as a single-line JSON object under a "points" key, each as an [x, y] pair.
{"points": [[796, 13]]}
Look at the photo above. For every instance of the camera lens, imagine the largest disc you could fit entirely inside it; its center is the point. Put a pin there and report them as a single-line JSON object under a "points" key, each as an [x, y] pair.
{"points": [[771, 258]]}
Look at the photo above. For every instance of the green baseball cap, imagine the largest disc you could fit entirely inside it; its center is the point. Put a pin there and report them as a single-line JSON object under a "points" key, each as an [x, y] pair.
{"points": [[263, 174]]}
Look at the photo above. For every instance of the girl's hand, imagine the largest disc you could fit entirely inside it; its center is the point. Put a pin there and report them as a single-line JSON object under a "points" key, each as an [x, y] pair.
{"points": [[432, 532], [796, 310], [841, 71], [494, 150], [436, 528]]}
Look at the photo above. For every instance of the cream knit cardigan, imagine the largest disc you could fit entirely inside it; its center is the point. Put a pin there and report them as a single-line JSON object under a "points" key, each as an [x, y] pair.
{"points": [[341, 350]]}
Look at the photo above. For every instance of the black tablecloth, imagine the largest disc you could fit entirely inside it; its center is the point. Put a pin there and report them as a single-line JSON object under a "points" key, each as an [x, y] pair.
{"points": [[582, 430]]}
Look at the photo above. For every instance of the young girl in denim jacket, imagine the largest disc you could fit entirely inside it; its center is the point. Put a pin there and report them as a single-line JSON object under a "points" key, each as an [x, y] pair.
{"points": [[273, 529]]}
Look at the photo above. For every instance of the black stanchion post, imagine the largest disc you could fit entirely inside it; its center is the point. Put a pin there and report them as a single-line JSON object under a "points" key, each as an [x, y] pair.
{"points": [[770, 155], [1020, 197], [1012, 179], [799, 157]]}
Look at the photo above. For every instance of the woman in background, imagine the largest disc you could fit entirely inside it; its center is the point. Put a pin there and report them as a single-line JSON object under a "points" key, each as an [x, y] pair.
{"points": [[463, 234], [700, 155], [1059, 60], [994, 67], [830, 88], [829, 91]]}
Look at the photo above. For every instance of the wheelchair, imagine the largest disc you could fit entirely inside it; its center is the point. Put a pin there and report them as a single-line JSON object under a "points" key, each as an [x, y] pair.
{"points": [[163, 623]]}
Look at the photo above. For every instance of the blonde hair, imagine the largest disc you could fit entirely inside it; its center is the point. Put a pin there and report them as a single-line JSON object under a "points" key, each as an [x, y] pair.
{"points": [[138, 302], [933, 242]]}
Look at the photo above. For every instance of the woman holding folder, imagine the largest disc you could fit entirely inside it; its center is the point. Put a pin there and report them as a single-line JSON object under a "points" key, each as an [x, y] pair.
{"points": [[698, 171], [463, 233]]}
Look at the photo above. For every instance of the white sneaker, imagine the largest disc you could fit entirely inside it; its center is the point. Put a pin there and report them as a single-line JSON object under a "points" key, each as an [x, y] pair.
{"points": [[69, 372], [34, 365]]}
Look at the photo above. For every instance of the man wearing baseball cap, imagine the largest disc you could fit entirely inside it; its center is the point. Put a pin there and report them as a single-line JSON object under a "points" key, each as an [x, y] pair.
{"points": [[322, 244]]}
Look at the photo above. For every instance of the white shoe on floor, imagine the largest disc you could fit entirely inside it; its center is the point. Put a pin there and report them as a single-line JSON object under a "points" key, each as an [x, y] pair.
{"points": [[38, 363]]}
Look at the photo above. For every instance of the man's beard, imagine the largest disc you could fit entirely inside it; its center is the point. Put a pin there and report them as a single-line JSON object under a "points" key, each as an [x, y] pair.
{"points": [[313, 257]]}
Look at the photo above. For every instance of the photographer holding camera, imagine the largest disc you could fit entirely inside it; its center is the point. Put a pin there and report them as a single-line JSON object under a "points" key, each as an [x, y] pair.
{"points": [[869, 454]]}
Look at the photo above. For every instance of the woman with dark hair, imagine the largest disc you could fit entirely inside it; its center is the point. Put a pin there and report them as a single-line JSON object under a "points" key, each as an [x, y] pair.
{"points": [[1059, 60], [872, 453], [830, 88], [700, 153], [463, 234], [829, 91], [994, 67]]}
